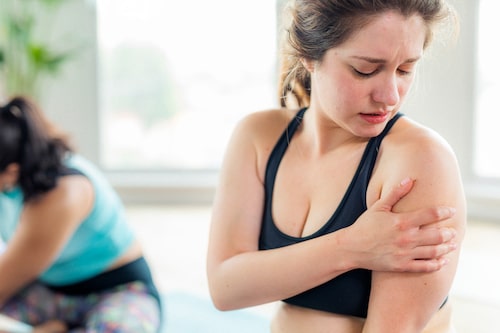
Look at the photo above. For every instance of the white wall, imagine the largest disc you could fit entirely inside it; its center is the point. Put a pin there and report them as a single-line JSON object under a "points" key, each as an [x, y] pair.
{"points": [[444, 92], [72, 99], [443, 99]]}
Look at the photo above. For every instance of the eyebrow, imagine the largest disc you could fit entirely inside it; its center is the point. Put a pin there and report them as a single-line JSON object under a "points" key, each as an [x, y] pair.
{"points": [[382, 61]]}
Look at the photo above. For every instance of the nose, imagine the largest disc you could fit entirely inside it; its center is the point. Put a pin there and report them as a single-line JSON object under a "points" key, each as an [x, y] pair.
{"points": [[386, 91]]}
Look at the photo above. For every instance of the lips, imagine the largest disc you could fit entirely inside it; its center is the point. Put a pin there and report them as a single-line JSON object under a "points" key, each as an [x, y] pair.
{"points": [[374, 118]]}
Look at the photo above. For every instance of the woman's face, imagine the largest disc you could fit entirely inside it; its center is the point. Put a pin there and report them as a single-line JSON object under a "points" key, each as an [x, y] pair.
{"points": [[9, 177], [361, 84]]}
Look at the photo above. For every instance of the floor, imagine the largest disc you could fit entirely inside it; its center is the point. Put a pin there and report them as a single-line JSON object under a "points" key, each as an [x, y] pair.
{"points": [[175, 241]]}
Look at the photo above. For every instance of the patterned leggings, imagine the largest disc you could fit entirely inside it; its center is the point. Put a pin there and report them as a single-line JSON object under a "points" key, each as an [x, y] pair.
{"points": [[126, 309]]}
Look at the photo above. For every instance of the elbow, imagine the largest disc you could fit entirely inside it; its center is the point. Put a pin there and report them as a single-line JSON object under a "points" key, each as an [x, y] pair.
{"points": [[216, 296], [221, 301], [224, 291], [222, 296]]}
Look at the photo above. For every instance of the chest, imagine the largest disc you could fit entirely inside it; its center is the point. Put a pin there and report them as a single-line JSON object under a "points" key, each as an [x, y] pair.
{"points": [[307, 192]]}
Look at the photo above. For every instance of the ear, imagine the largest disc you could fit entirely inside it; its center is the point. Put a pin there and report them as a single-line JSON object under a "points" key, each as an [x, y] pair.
{"points": [[308, 64]]}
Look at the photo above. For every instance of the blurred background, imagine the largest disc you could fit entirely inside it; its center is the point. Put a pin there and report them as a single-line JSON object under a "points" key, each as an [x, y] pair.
{"points": [[150, 91]]}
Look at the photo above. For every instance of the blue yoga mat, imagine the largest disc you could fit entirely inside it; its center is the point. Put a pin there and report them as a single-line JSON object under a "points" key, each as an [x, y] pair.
{"points": [[187, 313]]}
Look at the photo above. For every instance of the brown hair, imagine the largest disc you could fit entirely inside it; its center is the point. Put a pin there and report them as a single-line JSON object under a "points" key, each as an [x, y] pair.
{"points": [[315, 26]]}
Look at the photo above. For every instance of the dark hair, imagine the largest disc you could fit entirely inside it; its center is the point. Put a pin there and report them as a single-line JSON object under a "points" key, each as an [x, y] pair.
{"points": [[30, 140], [315, 26]]}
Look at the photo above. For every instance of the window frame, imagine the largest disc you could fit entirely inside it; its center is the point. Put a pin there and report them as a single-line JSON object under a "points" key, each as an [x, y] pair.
{"points": [[77, 90]]}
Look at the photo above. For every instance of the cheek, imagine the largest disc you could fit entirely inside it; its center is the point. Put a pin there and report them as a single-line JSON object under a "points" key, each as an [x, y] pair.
{"points": [[343, 86], [354, 92], [404, 87]]}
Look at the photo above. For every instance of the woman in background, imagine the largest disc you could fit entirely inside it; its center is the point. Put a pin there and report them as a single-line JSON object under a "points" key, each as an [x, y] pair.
{"points": [[71, 262], [305, 211]]}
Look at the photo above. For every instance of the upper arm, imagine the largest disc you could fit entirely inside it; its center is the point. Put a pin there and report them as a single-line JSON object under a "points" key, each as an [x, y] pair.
{"points": [[46, 225], [405, 302], [238, 204]]}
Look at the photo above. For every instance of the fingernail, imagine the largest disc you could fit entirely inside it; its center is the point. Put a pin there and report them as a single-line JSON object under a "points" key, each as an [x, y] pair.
{"points": [[449, 234], [447, 211], [405, 181]]}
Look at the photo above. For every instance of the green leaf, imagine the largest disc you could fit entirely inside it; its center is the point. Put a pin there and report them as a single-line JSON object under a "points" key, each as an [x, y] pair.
{"points": [[23, 58], [44, 59], [20, 28]]}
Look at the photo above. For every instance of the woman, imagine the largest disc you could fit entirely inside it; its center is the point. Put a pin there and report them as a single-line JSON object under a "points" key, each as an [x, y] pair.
{"points": [[71, 260], [308, 202]]}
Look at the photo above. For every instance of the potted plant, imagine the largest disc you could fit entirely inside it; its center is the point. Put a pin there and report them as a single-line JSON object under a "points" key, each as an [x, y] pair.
{"points": [[26, 52]]}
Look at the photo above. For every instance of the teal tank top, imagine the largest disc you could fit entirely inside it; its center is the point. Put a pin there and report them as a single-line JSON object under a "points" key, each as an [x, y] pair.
{"points": [[99, 240]]}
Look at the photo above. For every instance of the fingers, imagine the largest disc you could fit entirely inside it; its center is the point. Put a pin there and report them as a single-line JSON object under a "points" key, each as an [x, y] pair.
{"points": [[425, 216], [434, 236], [418, 218], [426, 266], [434, 251], [429, 258], [395, 194]]}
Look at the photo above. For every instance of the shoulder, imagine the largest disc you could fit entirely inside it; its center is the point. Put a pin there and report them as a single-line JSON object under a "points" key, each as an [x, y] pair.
{"points": [[72, 197], [413, 150], [256, 134], [263, 128], [74, 187], [266, 121], [417, 145]]}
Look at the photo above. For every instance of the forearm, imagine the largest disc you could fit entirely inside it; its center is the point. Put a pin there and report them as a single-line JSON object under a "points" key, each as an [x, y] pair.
{"points": [[12, 279], [258, 277], [19, 266]]}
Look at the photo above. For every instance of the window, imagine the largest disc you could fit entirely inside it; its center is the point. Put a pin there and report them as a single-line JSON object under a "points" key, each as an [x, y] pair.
{"points": [[487, 153], [176, 76]]}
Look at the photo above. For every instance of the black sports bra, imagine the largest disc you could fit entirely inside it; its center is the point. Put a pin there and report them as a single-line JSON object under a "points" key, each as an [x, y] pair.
{"points": [[347, 294]]}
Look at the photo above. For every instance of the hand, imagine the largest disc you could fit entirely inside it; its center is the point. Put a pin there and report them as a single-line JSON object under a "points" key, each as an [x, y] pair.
{"points": [[405, 242], [51, 326]]}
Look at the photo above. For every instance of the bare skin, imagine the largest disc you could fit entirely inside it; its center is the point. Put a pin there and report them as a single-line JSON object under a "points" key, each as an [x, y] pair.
{"points": [[61, 210], [356, 89], [293, 319], [52, 326]]}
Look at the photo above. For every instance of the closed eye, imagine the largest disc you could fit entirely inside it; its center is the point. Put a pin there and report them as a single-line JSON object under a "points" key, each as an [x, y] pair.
{"points": [[372, 73], [404, 73], [364, 74]]}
